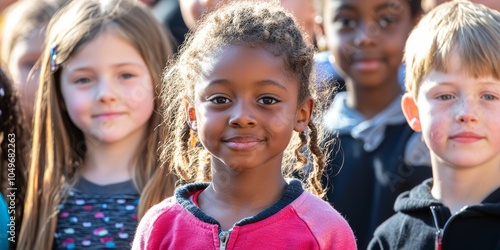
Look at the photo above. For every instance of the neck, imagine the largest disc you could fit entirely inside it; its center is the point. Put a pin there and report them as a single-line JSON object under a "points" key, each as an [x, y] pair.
{"points": [[108, 163], [370, 101], [457, 188], [245, 190], [237, 195]]}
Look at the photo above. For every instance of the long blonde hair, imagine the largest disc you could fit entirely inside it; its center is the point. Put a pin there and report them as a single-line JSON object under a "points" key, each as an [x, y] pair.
{"points": [[58, 145]]}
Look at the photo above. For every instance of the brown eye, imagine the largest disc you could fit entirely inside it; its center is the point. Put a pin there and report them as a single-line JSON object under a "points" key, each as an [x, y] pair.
{"points": [[219, 100], [268, 100]]}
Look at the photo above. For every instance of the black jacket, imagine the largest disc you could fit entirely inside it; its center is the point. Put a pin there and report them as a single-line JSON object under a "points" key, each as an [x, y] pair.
{"points": [[422, 220], [363, 186]]}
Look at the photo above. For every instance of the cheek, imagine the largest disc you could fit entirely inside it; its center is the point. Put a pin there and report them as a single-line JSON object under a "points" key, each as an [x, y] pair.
{"points": [[280, 123], [78, 107], [139, 97], [435, 130]]}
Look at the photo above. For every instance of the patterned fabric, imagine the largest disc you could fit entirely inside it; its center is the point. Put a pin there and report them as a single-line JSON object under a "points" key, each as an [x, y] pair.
{"points": [[96, 217]]}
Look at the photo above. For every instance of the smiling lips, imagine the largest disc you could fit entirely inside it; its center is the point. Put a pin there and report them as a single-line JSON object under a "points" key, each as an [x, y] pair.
{"points": [[366, 62], [242, 142], [466, 137], [108, 115]]}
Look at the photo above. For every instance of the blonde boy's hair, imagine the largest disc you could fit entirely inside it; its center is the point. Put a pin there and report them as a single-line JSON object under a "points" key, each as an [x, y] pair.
{"points": [[467, 30]]}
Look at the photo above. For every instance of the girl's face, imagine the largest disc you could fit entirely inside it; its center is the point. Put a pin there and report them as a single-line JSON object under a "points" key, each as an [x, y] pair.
{"points": [[459, 116], [108, 90], [367, 38], [23, 57], [246, 109]]}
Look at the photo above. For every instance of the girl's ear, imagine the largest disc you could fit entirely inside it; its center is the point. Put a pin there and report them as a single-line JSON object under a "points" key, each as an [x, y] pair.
{"points": [[191, 116], [410, 110], [303, 115]]}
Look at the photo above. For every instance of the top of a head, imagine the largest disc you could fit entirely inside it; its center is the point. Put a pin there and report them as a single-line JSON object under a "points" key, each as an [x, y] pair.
{"points": [[81, 21], [260, 24], [469, 31], [22, 19]]}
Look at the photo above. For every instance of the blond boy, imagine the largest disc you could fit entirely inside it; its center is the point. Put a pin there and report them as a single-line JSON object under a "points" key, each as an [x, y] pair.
{"points": [[453, 84]]}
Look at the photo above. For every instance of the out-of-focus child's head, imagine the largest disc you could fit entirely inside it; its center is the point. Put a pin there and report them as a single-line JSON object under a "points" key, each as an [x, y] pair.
{"points": [[22, 44], [367, 38]]}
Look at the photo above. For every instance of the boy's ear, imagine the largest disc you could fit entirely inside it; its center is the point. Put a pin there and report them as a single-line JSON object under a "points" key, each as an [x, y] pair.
{"points": [[303, 115], [191, 117], [410, 110]]}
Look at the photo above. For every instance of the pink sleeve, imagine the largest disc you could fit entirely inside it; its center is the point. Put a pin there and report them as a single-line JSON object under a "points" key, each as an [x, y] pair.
{"points": [[144, 235], [329, 228]]}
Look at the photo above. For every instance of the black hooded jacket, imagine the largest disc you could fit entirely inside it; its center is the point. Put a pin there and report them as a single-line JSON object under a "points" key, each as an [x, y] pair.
{"points": [[422, 221]]}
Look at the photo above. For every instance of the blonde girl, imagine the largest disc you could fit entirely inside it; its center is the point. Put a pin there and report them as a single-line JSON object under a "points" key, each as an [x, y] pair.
{"points": [[96, 130]]}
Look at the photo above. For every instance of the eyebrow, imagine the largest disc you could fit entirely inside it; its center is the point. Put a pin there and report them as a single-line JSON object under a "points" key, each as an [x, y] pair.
{"points": [[135, 64], [265, 82], [347, 6], [386, 5]]}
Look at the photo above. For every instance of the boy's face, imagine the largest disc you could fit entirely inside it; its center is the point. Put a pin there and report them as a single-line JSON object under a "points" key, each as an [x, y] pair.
{"points": [[459, 117], [367, 38]]}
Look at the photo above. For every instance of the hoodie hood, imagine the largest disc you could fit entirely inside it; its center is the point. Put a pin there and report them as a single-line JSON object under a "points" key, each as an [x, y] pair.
{"points": [[420, 198]]}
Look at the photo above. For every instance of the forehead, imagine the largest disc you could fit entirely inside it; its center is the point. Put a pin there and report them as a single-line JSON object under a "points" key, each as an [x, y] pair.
{"points": [[244, 64], [367, 6], [241, 58]]}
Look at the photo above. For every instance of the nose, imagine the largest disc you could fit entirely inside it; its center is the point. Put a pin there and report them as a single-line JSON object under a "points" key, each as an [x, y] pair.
{"points": [[366, 34], [467, 112], [242, 115], [105, 91]]}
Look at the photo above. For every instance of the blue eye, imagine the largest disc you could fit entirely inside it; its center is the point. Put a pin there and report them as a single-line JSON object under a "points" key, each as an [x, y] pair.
{"points": [[445, 97], [489, 97], [268, 100], [82, 80], [126, 76]]}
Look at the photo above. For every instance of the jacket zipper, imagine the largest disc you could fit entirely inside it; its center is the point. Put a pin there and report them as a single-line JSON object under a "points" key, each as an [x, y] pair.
{"points": [[439, 231], [224, 238]]}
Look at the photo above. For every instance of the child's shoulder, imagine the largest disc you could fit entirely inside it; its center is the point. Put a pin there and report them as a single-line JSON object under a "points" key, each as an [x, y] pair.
{"points": [[327, 225], [310, 207], [160, 210]]}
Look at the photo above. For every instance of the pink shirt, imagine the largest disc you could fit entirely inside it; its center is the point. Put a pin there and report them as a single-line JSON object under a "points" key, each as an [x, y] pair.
{"points": [[299, 220]]}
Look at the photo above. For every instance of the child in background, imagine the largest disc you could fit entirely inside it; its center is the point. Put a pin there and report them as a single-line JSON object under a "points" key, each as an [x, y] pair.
{"points": [[237, 92], [13, 156], [305, 13], [378, 155], [453, 97], [22, 44], [96, 132]]}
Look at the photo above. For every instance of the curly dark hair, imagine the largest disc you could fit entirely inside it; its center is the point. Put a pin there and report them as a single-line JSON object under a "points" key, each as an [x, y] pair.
{"points": [[257, 24], [13, 148]]}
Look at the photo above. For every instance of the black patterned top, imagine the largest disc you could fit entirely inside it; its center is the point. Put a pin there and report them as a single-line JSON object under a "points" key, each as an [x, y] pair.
{"points": [[96, 217]]}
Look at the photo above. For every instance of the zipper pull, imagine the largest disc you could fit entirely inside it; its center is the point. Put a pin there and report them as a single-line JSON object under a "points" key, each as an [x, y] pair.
{"points": [[223, 238], [439, 240]]}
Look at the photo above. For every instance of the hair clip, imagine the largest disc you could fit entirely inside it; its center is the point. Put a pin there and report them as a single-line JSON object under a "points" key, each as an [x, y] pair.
{"points": [[2, 94], [53, 57]]}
